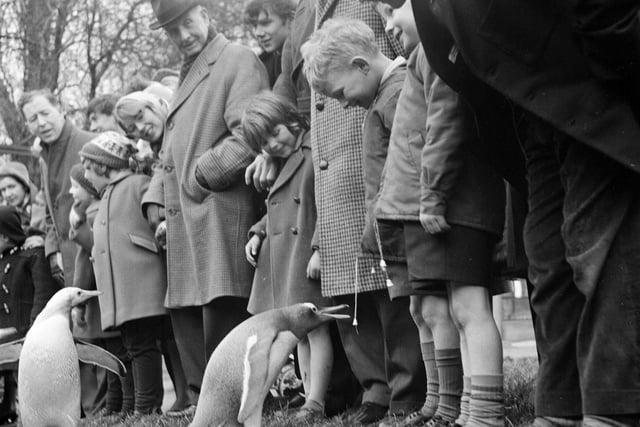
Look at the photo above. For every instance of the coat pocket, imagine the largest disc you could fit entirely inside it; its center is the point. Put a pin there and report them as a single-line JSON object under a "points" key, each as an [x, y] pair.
{"points": [[143, 242]]}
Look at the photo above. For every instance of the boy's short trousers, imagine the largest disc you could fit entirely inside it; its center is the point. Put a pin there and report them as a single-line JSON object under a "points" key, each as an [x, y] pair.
{"points": [[392, 241], [462, 254]]}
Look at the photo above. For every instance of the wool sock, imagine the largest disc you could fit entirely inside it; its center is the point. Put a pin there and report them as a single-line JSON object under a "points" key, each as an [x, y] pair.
{"points": [[464, 401], [449, 363], [486, 407], [429, 357]]}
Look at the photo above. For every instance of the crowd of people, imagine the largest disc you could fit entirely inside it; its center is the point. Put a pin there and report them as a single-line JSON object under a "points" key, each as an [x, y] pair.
{"points": [[375, 154]]}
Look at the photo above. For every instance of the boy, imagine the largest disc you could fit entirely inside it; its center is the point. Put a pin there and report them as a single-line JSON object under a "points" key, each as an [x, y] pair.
{"points": [[342, 61]]}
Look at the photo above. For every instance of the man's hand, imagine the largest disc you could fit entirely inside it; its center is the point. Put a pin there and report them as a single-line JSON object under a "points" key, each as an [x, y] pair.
{"points": [[155, 215], [252, 249], [434, 224], [262, 172], [313, 267], [55, 266]]}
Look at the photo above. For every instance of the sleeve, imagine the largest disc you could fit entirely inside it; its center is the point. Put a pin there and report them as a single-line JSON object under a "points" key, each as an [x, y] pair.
{"points": [[44, 285], [259, 228], [155, 192], [225, 162], [442, 156]]}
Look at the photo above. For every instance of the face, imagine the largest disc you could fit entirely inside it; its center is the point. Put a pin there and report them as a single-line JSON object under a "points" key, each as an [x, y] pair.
{"points": [[400, 24], [281, 143], [271, 31], [352, 86], [99, 122], [12, 192], [44, 120], [145, 125], [189, 33], [79, 194], [98, 182]]}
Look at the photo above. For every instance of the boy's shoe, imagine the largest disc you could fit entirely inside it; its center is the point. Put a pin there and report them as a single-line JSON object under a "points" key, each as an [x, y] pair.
{"points": [[416, 418], [438, 421], [367, 413], [189, 411]]}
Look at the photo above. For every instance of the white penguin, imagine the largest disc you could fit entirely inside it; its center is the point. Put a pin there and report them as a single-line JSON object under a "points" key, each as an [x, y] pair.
{"points": [[48, 370], [248, 360]]}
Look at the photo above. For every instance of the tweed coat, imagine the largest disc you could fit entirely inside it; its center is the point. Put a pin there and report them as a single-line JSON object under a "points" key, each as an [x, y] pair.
{"points": [[128, 266], [206, 230], [56, 160], [281, 273], [336, 141]]}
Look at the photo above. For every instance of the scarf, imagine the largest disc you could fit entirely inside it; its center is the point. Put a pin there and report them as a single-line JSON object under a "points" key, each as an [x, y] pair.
{"points": [[188, 61]]}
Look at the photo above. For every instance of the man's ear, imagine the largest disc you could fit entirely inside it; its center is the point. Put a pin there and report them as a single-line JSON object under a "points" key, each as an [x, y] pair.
{"points": [[361, 63]]}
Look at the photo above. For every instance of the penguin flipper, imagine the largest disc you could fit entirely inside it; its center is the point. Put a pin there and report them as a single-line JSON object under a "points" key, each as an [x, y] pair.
{"points": [[10, 354], [263, 361], [94, 355]]}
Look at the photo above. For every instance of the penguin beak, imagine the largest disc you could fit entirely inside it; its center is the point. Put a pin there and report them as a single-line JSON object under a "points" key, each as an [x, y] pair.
{"points": [[86, 295], [330, 312]]}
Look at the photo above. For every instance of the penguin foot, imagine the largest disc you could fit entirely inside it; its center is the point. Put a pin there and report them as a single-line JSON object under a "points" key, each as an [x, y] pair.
{"points": [[189, 411]]}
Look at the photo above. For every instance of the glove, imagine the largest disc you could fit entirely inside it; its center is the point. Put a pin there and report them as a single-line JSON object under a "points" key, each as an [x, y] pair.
{"points": [[161, 234]]}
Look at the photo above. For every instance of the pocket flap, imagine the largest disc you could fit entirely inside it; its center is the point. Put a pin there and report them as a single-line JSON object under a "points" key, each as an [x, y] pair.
{"points": [[143, 242]]}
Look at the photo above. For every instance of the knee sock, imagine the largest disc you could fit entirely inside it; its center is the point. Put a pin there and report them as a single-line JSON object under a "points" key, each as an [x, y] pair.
{"points": [[486, 407], [449, 363], [464, 401], [429, 357]]}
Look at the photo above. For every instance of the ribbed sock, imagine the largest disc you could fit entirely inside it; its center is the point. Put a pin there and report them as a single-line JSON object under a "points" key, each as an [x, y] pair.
{"points": [[464, 401], [486, 407], [429, 357], [449, 363]]}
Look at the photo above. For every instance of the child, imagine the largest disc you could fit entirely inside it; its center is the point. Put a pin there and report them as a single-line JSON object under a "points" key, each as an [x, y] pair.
{"points": [[287, 266], [342, 61], [128, 267], [27, 285], [458, 200]]}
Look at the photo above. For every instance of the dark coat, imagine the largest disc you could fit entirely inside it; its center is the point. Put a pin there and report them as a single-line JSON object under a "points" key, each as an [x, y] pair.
{"points": [[281, 273]]}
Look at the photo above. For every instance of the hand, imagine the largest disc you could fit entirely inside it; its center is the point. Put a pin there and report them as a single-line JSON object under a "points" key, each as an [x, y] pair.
{"points": [[78, 317], [155, 215], [313, 267], [56, 267], [161, 234], [75, 219], [262, 172], [252, 249], [434, 224], [7, 332], [34, 241]]}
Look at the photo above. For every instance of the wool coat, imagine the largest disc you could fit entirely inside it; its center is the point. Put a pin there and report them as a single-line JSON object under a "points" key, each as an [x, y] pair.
{"points": [[207, 230], [128, 266], [281, 272], [336, 141], [56, 160]]}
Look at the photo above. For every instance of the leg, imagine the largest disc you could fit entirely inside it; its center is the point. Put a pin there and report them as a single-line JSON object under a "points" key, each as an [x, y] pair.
{"points": [[220, 316], [427, 348], [174, 366], [189, 335], [304, 360], [321, 363]]}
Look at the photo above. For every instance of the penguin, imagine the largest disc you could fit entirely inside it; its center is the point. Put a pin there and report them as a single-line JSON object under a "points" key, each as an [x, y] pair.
{"points": [[48, 368], [248, 360]]}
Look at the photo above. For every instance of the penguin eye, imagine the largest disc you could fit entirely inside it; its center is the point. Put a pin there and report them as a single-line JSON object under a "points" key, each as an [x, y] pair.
{"points": [[79, 293], [314, 309]]}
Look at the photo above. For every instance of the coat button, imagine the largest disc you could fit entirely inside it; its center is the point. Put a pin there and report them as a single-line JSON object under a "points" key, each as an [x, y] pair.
{"points": [[6, 308], [168, 169], [4, 288], [294, 230], [172, 211], [319, 105], [296, 199], [323, 165], [103, 222], [170, 125]]}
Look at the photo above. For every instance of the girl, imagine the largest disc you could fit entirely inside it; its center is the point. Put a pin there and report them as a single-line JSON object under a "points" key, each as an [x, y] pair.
{"points": [[288, 268]]}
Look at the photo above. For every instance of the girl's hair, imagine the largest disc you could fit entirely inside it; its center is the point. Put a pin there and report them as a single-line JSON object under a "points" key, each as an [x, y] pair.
{"points": [[265, 111], [129, 106], [98, 168]]}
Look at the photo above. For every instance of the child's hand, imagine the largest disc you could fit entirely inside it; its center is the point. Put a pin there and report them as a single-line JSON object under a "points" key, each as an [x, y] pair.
{"points": [[313, 267], [33, 242], [75, 219], [161, 234], [434, 224], [252, 249]]}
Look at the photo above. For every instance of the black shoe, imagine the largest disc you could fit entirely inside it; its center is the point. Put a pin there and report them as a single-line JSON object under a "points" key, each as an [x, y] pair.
{"points": [[367, 413], [438, 421]]}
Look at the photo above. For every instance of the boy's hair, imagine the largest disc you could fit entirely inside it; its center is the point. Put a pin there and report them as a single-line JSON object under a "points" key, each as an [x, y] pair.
{"points": [[97, 168], [102, 104], [27, 97], [285, 9], [334, 45], [267, 110]]}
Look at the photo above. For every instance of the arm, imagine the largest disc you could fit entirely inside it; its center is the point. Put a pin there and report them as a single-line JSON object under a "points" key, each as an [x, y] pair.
{"points": [[284, 85], [44, 285]]}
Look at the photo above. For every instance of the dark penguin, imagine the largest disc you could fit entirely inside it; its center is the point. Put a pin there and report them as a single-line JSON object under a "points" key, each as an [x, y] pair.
{"points": [[248, 360]]}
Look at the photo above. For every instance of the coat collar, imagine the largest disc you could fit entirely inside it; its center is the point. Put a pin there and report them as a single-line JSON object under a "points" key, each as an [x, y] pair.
{"points": [[199, 70], [292, 164]]}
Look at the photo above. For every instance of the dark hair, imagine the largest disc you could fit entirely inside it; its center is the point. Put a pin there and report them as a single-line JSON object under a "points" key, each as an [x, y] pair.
{"points": [[102, 104], [267, 110], [285, 9], [27, 97], [136, 84]]}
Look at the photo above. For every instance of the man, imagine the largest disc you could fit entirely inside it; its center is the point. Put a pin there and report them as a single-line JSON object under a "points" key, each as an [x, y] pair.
{"points": [[100, 114], [270, 23], [199, 184]]}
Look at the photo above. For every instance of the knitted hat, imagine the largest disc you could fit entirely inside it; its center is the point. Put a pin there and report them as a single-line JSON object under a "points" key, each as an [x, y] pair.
{"points": [[19, 172], [11, 225], [77, 174], [110, 149]]}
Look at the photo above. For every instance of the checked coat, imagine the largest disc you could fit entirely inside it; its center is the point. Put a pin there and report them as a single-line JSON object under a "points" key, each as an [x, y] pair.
{"points": [[336, 141]]}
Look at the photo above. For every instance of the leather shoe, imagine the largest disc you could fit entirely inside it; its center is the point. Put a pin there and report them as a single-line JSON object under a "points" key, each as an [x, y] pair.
{"points": [[367, 413]]}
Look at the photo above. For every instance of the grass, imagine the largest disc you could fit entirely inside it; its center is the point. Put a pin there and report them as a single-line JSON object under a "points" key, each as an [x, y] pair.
{"points": [[519, 386]]}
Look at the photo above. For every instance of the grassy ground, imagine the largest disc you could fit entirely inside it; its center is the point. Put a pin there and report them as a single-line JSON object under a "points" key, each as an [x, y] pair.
{"points": [[519, 384]]}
